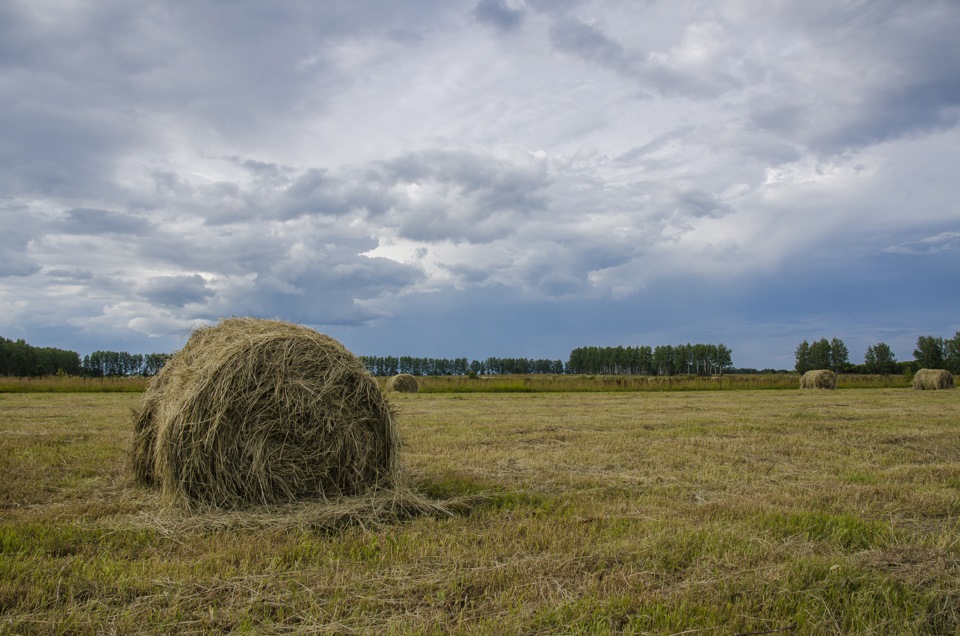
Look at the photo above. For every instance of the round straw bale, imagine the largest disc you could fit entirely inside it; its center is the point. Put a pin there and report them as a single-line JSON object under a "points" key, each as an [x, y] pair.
{"points": [[933, 379], [263, 412], [819, 379], [403, 383]]}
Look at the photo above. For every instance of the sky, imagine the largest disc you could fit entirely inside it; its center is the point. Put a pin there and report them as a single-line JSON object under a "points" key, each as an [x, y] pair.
{"points": [[463, 178]]}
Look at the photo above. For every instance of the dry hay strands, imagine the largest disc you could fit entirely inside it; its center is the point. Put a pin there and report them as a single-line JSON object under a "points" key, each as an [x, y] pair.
{"points": [[374, 509], [933, 379], [819, 379], [267, 413], [403, 383]]}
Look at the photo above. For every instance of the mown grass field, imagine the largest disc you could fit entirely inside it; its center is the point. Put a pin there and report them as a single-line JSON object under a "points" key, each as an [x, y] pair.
{"points": [[710, 512]]}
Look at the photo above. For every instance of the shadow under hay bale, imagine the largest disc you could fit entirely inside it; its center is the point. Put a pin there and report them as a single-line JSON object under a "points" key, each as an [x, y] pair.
{"points": [[403, 383], [932, 380], [265, 412], [819, 379]]}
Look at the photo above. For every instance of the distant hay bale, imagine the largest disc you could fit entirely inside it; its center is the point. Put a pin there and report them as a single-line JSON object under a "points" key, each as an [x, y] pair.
{"points": [[819, 379], [933, 379], [403, 383], [263, 412]]}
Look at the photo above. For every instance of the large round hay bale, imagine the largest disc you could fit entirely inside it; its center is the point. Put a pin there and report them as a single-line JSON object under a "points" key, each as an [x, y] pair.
{"points": [[933, 379], [403, 383], [819, 379], [264, 412]]}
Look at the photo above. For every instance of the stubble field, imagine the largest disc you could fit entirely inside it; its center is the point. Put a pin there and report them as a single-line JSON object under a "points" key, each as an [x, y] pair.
{"points": [[711, 512]]}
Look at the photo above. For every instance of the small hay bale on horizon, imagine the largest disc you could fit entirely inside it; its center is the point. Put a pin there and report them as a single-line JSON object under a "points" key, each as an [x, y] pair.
{"points": [[403, 383], [819, 379], [933, 380], [255, 411]]}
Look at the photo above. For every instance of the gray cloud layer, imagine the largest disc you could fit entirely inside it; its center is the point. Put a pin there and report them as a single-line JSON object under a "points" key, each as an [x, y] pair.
{"points": [[337, 163]]}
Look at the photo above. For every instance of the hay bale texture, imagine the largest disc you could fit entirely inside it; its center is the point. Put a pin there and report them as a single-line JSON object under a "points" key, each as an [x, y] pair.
{"points": [[403, 383], [819, 379], [932, 380], [263, 412]]}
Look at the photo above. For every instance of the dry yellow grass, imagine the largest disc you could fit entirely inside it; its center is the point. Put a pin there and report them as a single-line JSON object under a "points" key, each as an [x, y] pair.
{"points": [[653, 513]]}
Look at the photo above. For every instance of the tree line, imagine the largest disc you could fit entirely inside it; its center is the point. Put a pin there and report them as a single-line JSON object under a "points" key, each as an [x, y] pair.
{"points": [[392, 365], [102, 364], [696, 359], [699, 359], [930, 353], [19, 359]]}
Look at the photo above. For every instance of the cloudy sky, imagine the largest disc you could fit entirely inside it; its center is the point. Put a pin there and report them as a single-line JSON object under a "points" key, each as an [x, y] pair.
{"points": [[455, 178]]}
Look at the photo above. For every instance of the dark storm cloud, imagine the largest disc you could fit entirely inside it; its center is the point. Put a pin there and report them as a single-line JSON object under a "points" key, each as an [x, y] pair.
{"points": [[168, 182], [241, 70], [14, 260], [276, 192], [266, 173], [499, 14], [695, 203], [317, 192], [658, 143], [323, 291], [52, 149], [91, 82], [887, 70], [308, 269], [176, 291], [75, 274], [892, 112], [588, 42], [465, 196], [94, 221], [313, 192], [66, 103], [881, 114]]}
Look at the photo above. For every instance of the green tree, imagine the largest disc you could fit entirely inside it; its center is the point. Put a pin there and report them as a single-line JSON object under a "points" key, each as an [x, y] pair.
{"points": [[23, 360], [839, 355], [820, 355], [802, 355], [645, 360], [663, 360], [951, 350], [929, 352], [153, 362], [880, 359], [722, 358]]}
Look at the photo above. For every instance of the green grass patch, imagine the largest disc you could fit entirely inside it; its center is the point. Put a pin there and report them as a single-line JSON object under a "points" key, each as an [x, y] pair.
{"points": [[846, 531]]}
